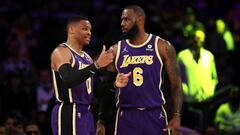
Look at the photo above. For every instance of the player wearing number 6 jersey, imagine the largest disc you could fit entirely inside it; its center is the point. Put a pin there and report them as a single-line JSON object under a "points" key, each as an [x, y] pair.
{"points": [[145, 63], [147, 57]]}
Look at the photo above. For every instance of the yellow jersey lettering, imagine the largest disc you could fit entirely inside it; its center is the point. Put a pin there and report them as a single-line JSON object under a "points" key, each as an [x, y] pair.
{"points": [[142, 59], [81, 65], [149, 60]]}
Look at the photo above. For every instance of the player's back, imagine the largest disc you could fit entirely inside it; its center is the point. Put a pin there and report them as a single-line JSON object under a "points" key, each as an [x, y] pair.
{"points": [[144, 61]]}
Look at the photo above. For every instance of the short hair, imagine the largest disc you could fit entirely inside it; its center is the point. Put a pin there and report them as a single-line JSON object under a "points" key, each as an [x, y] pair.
{"points": [[75, 19], [137, 9]]}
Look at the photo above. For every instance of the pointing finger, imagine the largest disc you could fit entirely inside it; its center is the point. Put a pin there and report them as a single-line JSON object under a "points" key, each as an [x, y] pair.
{"points": [[128, 74]]}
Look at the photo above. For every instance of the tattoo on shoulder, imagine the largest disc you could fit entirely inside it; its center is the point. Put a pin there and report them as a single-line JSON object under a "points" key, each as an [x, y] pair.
{"points": [[170, 51], [172, 61]]}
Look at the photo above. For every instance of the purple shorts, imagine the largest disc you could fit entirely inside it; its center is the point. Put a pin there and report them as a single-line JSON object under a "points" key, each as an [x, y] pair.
{"points": [[72, 119], [141, 121]]}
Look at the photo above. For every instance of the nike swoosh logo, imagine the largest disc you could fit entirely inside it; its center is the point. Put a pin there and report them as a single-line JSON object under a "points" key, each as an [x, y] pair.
{"points": [[92, 72]]}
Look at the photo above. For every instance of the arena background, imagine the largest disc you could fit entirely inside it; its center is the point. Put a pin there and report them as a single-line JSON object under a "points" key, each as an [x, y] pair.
{"points": [[30, 30]]}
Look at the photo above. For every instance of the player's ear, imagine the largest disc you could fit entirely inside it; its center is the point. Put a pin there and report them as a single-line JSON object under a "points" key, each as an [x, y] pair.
{"points": [[71, 29], [141, 18]]}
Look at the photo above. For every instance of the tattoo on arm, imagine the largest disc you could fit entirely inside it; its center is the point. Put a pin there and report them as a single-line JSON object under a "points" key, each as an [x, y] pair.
{"points": [[174, 77]]}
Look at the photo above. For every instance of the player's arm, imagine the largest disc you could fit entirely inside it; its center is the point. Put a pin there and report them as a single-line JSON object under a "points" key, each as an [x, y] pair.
{"points": [[111, 67], [114, 81], [61, 61], [168, 54], [60, 56], [104, 101], [100, 88]]}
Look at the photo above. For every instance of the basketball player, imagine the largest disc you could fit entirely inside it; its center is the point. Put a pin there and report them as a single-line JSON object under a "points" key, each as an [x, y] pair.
{"points": [[73, 71], [146, 56]]}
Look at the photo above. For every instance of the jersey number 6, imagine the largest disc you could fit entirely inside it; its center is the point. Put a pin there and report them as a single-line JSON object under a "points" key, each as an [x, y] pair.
{"points": [[137, 76]]}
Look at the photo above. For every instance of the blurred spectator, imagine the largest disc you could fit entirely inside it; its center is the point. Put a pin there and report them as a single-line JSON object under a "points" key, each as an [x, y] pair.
{"points": [[217, 44], [14, 63], [223, 30], [22, 32], [228, 117], [43, 94], [214, 40], [199, 79], [191, 23], [233, 17], [32, 128], [13, 125], [15, 97], [44, 90], [3, 130], [198, 70], [4, 28]]}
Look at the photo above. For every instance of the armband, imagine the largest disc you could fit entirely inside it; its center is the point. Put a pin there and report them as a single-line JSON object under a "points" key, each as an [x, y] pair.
{"points": [[72, 77]]}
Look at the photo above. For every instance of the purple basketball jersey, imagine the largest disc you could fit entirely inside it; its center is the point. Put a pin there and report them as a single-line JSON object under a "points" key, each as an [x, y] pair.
{"points": [[80, 94], [143, 89]]}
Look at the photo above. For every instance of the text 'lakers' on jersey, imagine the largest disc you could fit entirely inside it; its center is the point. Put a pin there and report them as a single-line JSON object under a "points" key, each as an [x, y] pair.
{"points": [[144, 61], [80, 94]]}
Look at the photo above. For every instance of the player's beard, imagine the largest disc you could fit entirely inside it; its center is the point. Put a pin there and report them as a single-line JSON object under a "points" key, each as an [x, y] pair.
{"points": [[131, 33]]}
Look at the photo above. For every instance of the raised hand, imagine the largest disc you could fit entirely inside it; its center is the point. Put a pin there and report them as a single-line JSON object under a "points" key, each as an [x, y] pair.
{"points": [[105, 58], [122, 80]]}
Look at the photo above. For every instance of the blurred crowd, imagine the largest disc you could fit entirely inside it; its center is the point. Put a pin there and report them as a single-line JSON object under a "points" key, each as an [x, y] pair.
{"points": [[30, 30]]}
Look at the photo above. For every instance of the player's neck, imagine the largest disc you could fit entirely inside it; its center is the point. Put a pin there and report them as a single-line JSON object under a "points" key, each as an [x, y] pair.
{"points": [[75, 45], [140, 38]]}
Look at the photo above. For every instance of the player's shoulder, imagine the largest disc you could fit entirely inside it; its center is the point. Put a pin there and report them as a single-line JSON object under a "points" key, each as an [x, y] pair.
{"points": [[60, 50], [114, 47], [164, 45], [165, 48], [162, 41], [61, 47]]}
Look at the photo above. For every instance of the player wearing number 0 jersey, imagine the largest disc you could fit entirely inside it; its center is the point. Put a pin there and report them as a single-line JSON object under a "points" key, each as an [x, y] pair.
{"points": [[73, 104], [81, 93], [73, 71]]}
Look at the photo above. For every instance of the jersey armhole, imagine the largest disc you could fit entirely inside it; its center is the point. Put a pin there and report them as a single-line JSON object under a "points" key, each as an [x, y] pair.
{"points": [[156, 49], [118, 53]]}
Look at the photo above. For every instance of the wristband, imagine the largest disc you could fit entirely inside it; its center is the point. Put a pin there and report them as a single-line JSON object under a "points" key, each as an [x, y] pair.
{"points": [[96, 65], [177, 114]]}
